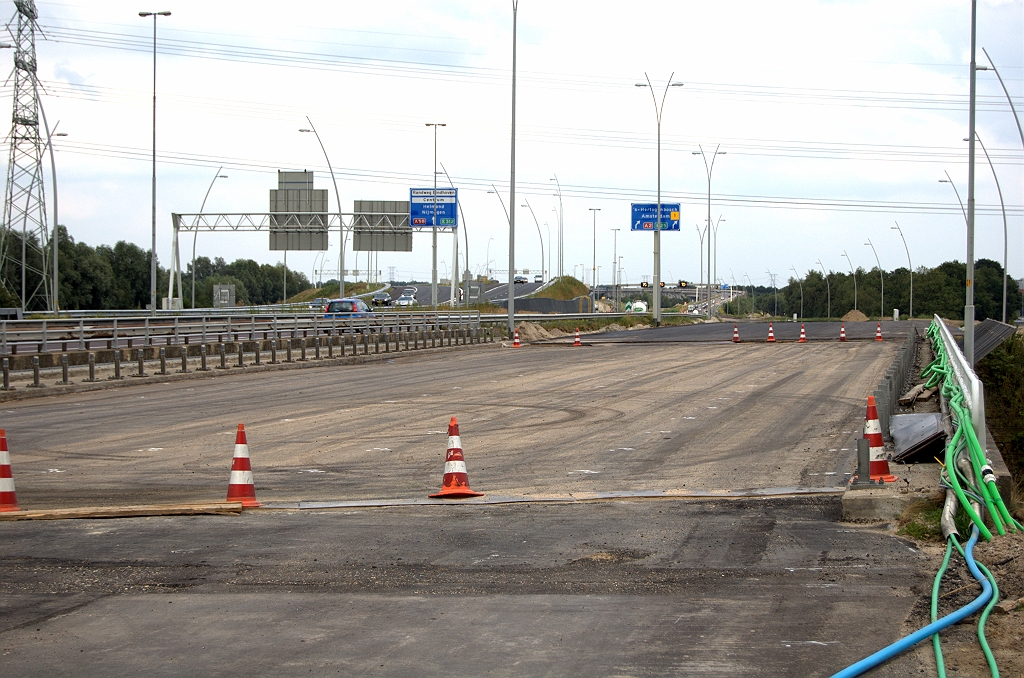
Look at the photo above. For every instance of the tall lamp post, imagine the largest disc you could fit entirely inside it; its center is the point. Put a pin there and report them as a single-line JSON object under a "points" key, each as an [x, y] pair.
{"points": [[709, 167], [526, 204], [793, 268], [910, 264], [854, 272], [195, 234], [337, 199], [465, 233], [881, 279], [593, 270], [828, 289], [656, 296], [750, 291], [615, 268], [53, 170], [561, 240], [700, 248], [717, 223], [1020, 132], [972, 105], [433, 221], [1003, 206], [152, 258]]}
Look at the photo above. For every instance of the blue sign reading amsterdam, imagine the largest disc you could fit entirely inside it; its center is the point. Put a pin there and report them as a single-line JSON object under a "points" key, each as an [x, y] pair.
{"points": [[643, 216], [423, 202]]}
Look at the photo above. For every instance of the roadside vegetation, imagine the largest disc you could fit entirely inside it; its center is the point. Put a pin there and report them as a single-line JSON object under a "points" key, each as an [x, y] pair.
{"points": [[1002, 371], [564, 289]]}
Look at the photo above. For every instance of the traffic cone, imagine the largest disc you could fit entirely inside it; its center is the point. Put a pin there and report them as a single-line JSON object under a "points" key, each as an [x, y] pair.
{"points": [[735, 333], [576, 341], [515, 340], [240, 485], [803, 335], [879, 469], [455, 484], [878, 333], [8, 502], [842, 332], [771, 334]]}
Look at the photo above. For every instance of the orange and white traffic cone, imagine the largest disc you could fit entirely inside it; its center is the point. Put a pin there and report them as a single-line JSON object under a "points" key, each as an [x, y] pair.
{"points": [[735, 333], [878, 333], [515, 339], [240, 485], [842, 332], [879, 469], [455, 484], [576, 341], [8, 502], [771, 334], [803, 335]]}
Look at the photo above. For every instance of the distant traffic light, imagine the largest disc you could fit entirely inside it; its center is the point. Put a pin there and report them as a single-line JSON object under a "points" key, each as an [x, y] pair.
{"points": [[645, 284], [661, 283], [682, 283]]}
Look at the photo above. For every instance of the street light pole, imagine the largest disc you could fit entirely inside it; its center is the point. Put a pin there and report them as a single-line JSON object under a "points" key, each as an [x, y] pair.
{"points": [[710, 168], [656, 295], [854, 272], [561, 239], [195, 233], [715, 273], [700, 248], [433, 221], [152, 258], [337, 199], [881, 278], [593, 270], [911, 265], [539, 236], [53, 171], [828, 289], [512, 187], [465, 233], [969, 305], [615, 268], [793, 268], [1020, 132], [1003, 206]]}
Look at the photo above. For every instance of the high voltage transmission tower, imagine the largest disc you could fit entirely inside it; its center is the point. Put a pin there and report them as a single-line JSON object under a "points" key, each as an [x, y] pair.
{"points": [[24, 239]]}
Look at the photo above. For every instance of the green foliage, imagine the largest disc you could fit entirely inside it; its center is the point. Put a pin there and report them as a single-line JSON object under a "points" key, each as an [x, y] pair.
{"points": [[564, 288], [1002, 371], [922, 521]]}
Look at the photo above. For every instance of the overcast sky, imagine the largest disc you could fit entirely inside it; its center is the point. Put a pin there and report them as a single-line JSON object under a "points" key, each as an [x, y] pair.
{"points": [[837, 119]]}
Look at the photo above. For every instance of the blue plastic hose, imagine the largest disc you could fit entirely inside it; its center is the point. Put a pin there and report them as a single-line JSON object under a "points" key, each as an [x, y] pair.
{"points": [[907, 642]]}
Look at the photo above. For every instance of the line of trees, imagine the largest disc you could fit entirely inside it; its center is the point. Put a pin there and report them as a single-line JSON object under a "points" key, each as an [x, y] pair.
{"points": [[118, 277], [939, 290]]}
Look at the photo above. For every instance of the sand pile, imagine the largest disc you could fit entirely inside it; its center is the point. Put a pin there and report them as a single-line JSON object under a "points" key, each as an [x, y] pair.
{"points": [[532, 332], [854, 317]]}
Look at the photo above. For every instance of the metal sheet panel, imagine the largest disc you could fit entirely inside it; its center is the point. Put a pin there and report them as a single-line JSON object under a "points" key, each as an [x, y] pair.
{"points": [[382, 241], [298, 240]]}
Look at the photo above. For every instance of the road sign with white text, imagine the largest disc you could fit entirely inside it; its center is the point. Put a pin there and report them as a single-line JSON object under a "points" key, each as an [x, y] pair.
{"points": [[643, 216], [423, 202]]}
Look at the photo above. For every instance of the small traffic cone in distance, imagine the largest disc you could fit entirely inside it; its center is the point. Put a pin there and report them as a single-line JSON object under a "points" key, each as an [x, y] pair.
{"points": [[878, 332], [455, 484], [515, 339], [842, 332], [735, 333], [576, 341], [240, 485], [771, 334], [8, 501], [879, 466], [803, 335]]}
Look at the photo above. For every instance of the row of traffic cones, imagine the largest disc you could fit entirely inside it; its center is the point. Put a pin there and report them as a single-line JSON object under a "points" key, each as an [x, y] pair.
{"points": [[240, 483], [241, 488], [516, 344], [803, 333]]}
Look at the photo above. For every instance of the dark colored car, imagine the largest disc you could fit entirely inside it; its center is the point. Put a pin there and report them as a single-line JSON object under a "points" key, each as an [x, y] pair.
{"points": [[348, 308], [519, 279], [381, 299]]}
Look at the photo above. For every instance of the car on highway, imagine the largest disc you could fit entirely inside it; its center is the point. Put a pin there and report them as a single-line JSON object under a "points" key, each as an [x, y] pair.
{"points": [[381, 299], [519, 279], [405, 300], [348, 308], [538, 278]]}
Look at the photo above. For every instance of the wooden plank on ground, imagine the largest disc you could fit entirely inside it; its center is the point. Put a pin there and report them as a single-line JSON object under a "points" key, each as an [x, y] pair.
{"points": [[207, 508]]}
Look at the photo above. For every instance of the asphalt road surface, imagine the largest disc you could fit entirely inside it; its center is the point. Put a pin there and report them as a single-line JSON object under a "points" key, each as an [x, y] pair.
{"points": [[758, 332], [624, 587], [741, 588]]}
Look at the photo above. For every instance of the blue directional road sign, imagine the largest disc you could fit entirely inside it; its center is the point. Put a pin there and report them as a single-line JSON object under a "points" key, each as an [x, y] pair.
{"points": [[422, 202], [643, 216]]}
